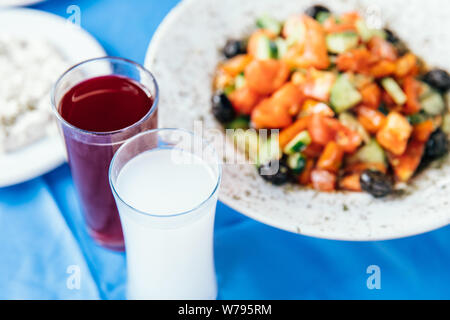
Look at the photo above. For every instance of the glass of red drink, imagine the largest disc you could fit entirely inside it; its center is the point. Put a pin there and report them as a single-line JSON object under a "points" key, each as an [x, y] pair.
{"points": [[99, 104]]}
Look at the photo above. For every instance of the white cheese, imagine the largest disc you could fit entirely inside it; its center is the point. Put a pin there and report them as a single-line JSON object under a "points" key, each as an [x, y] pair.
{"points": [[29, 66]]}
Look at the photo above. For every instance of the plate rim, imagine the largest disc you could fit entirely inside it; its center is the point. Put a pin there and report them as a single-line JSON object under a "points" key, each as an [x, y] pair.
{"points": [[60, 158], [235, 204]]}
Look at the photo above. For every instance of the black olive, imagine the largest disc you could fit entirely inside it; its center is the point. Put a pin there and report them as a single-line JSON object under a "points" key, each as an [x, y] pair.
{"points": [[438, 78], [222, 108], [313, 11], [376, 183], [391, 36], [278, 178], [437, 145], [234, 47]]}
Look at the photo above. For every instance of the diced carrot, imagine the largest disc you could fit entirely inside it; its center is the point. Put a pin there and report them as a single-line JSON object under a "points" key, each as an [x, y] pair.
{"points": [[266, 76], [253, 41], [382, 49], [406, 164], [318, 84], [244, 100], [298, 78], [356, 60], [323, 180], [394, 133], [305, 177], [236, 65], [351, 182], [313, 150], [331, 157], [371, 95], [412, 90], [312, 106], [423, 130], [405, 65], [290, 132], [222, 80], [383, 68], [312, 52], [371, 119]]}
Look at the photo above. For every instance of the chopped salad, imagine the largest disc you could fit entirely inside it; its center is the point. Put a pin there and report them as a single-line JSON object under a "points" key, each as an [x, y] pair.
{"points": [[356, 109]]}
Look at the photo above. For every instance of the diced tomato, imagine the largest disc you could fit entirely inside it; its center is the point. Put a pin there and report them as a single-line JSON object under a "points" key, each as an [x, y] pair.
{"points": [[323, 180], [244, 100], [290, 132], [253, 41], [405, 65], [406, 164], [356, 60], [371, 95], [412, 90], [371, 119], [347, 22], [383, 68], [266, 76], [305, 177], [345, 137], [313, 150], [318, 84], [331, 157], [312, 106], [236, 65], [298, 78], [351, 182], [394, 134], [312, 51], [319, 130], [267, 115], [382, 49], [423, 130], [387, 99]]}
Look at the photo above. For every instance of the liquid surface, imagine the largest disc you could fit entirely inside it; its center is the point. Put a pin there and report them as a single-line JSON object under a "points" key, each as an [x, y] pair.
{"points": [[106, 103], [156, 182]]}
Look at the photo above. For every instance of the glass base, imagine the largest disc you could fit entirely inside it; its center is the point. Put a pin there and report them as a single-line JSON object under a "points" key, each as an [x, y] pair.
{"points": [[107, 242]]}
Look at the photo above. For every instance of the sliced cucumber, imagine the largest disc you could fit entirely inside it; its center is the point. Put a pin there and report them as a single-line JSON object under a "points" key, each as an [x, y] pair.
{"points": [[371, 153], [269, 23], [446, 124], [322, 16], [417, 118], [341, 42], [298, 144], [344, 95], [296, 162], [394, 90], [269, 150], [367, 33], [247, 141], [266, 49], [239, 123], [239, 81], [433, 104], [348, 120], [282, 47]]}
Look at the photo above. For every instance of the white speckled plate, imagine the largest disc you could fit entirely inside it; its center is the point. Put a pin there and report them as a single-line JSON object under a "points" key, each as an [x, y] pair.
{"points": [[183, 55]]}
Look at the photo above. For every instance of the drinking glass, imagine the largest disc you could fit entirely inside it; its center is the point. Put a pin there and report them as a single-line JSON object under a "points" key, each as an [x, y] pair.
{"points": [[89, 153], [168, 228]]}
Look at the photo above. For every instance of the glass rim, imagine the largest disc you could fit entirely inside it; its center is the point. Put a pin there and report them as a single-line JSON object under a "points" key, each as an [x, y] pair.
{"points": [[104, 133], [155, 215]]}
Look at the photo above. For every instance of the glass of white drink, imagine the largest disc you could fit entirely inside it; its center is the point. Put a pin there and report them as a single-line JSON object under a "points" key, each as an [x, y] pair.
{"points": [[165, 183]]}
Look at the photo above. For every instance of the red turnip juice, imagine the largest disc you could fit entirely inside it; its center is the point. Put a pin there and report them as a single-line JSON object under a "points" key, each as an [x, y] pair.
{"points": [[99, 114]]}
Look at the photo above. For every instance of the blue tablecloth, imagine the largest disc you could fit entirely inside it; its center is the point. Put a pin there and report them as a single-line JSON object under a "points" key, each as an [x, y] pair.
{"points": [[43, 242]]}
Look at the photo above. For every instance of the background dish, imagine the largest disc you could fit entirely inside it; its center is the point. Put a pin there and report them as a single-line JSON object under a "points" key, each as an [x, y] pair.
{"points": [[183, 56], [75, 45]]}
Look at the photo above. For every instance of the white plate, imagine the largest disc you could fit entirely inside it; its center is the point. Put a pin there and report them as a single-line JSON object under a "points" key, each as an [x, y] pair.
{"points": [[183, 55], [16, 3], [75, 45]]}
